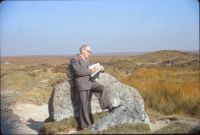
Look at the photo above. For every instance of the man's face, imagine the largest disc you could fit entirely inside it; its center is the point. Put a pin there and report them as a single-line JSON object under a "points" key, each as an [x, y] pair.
{"points": [[87, 52]]}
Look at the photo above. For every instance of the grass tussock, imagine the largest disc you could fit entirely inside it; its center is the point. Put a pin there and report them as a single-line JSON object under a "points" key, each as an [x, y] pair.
{"points": [[57, 127], [168, 90], [175, 128], [64, 126]]}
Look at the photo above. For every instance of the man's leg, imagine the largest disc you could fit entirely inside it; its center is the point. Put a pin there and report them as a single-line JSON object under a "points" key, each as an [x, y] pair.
{"points": [[83, 109], [102, 94]]}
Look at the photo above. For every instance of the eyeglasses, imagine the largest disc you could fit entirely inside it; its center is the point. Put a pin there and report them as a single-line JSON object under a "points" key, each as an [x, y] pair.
{"points": [[89, 51]]}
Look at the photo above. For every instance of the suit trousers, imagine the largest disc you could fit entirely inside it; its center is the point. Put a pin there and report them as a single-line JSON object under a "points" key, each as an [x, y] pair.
{"points": [[84, 98]]}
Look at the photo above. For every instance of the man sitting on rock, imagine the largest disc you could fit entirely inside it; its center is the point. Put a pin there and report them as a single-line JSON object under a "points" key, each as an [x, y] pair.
{"points": [[84, 86]]}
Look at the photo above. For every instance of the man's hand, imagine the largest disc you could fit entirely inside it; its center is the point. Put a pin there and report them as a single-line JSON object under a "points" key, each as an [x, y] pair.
{"points": [[96, 67], [93, 69], [102, 68]]}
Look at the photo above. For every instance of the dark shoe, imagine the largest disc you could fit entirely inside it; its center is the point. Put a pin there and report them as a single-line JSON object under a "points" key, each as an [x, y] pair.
{"points": [[113, 108], [81, 129]]}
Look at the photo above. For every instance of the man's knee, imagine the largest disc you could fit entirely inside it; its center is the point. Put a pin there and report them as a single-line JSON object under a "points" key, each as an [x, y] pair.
{"points": [[100, 88]]}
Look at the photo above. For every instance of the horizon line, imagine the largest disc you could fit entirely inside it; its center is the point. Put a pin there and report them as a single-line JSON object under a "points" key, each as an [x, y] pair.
{"points": [[128, 53]]}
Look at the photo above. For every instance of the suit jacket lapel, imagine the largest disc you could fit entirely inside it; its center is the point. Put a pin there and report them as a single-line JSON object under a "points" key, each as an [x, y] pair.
{"points": [[84, 62]]}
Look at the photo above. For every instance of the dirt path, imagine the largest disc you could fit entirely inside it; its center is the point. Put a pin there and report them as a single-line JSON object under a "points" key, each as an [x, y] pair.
{"points": [[20, 118], [31, 115]]}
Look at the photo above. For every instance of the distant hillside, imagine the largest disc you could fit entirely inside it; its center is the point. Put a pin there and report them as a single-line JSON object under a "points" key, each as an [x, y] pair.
{"points": [[168, 58], [166, 55], [164, 58], [134, 53]]}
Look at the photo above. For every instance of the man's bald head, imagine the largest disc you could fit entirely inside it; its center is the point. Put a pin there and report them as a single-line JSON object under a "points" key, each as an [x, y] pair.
{"points": [[85, 47], [85, 51]]}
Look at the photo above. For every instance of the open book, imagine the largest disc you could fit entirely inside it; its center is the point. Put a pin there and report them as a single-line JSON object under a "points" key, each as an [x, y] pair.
{"points": [[97, 67]]}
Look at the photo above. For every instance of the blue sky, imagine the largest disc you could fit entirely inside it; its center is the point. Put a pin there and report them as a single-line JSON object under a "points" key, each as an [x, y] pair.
{"points": [[60, 27]]}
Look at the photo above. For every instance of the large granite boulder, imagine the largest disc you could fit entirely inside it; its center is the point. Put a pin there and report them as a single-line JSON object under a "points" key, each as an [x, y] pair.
{"points": [[62, 103]]}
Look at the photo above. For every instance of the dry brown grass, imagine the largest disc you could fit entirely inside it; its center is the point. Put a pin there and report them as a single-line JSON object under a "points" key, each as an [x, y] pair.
{"points": [[168, 90]]}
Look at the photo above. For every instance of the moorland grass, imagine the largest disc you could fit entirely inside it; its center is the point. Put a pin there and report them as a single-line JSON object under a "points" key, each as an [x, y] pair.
{"points": [[168, 90]]}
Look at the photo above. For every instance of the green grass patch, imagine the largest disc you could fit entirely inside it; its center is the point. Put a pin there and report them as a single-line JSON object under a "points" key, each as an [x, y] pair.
{"points": [[55, 127], [127, 129], [177, 127]]}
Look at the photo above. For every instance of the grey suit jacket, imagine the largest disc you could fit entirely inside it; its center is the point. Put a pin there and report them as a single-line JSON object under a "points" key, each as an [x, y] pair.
{"points": [[82, 74]]}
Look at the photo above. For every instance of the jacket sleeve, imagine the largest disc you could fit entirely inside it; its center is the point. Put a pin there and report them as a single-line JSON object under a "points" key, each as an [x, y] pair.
{"points": [[78, 69]]}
